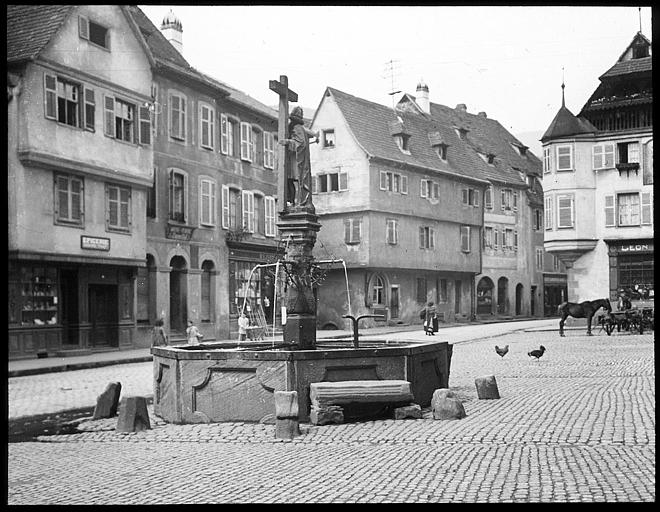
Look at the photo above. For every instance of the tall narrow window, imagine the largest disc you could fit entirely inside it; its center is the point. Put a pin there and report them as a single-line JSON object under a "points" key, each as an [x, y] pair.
{"points": [[177, 116], [377, 291], [564, 158], [145, 126], [246, 142], [546, 160], [206, 291], [269, 205], [465, 238], [124, 121], [207, 126], [628, 209], [269, 150], [235, 217], [548, 213], [488, 198], [177, 196], [207, 202], [392, 231], [352, 230], [118, 207], [565, 211], [224, 134], [90, 109], [151, 197], [248, 211], [259, 220], [69, 199]]}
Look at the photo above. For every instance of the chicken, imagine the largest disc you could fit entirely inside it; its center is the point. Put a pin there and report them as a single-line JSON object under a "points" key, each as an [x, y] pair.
{"points": [[502, 351], [537, 353]]}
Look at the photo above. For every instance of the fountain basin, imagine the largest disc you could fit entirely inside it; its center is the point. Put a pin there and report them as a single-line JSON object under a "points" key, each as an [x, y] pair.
{"points": [[227, 381]]}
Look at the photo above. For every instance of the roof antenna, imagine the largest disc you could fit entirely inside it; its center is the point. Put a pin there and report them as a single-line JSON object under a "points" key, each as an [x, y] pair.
{"points": [[562, 87], [390, 68], [640, 19]]}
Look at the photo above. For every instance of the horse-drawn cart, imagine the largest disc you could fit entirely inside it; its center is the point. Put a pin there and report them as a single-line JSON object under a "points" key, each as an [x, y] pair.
{"points": [[635, 320]]}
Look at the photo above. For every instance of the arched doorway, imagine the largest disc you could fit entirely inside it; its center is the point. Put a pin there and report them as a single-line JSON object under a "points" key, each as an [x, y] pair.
{"points": [[502, 293], [485, 296], [519, 299], [178, 293]]}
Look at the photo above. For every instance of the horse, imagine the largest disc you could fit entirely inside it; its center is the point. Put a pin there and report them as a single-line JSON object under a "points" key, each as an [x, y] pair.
{"points": [[585, 309]]}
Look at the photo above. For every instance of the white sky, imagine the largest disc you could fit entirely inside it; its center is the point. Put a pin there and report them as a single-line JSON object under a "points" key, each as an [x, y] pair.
{"points": [[504, 60]]}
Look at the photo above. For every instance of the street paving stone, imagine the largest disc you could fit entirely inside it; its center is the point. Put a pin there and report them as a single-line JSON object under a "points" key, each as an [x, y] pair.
{"points": [[578, 425]]}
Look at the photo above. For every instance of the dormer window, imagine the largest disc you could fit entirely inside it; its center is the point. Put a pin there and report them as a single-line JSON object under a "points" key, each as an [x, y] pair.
{"points": [[522, 150], [400, 135], [402, 141], [438, 144], [441, 149], [461, 132], [489, 158]]}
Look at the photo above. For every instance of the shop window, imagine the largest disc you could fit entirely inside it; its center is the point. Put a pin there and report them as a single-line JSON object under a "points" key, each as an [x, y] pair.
{"points": [[242, 288], [38, 302]]}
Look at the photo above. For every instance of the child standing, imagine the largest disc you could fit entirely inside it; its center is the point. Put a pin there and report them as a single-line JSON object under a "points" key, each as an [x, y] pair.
{"points": [[193, 334], [243, 324]]}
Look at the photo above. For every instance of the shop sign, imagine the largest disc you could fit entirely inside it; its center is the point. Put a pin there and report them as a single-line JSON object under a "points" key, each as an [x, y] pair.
{"points": [[179, 232], [636, 248], [94, 243]]}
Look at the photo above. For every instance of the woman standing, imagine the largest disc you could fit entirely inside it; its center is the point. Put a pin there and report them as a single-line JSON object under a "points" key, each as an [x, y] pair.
{"points": [[430, 320]]}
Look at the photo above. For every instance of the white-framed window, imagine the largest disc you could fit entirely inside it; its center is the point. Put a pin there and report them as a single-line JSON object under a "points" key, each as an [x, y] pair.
{"points": [[328, 138], [352, 230], [565, 158], [539, 258], [207, 202], [120, 120], [259, 214], [206, 126], [62, 100], [488, 198], [177, 112], [247, 198], [565, 211], [330, 182], [393, 182], [548, 213], [93, 32], [509, 199], [231, 201], [603, 156], [269, 150], [178, 188], [392, 231], [257, 146], [118, 208], [628, 209], [627, 153], [496, 238], [429, 189], [247, 144], [69, 199], [488, 237], [547, 162], [269, 207], [465, 238], [426, 237], [470, 196]]}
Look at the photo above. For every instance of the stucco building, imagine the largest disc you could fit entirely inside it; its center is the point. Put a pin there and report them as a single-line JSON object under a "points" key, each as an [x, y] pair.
{"points": [[598, 182]]}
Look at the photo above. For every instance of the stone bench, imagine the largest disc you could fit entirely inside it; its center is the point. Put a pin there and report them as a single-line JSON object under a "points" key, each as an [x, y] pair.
{"points": [[329, 399]]}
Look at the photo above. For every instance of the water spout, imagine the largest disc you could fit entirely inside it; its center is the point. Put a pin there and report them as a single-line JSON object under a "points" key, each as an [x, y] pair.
{"points": [[355, 321]]}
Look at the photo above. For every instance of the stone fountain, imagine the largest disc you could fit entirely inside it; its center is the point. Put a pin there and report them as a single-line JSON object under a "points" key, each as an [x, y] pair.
{"points": [[226, 381]]}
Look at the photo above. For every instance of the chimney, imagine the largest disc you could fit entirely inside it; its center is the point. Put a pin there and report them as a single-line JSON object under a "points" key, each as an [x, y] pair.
{"points": [[173, 31], [423, 96], [482, 114], [461, 107]]}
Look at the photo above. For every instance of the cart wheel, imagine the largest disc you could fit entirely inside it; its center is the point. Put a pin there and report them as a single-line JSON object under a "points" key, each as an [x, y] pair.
{"points": [[609, 328]]}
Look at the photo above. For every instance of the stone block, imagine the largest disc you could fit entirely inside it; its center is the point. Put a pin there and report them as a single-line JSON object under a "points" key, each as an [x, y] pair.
{"points": [[287, 428], [326, 415], [360, 391], [486, 387], [133, 415], [286, 404], [108, 401], [446, 406], [409, 411]]}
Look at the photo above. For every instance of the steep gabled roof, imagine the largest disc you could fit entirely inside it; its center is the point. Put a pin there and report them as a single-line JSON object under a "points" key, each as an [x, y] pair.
{"points": [[370, 124], [565, 124], [31, 27]]}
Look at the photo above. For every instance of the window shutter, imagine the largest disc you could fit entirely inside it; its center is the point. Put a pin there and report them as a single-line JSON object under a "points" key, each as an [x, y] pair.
{"points": [[503, 197], [251, 212], [50, 96], [609, 211], [109, 115], [225, 206], [476, 198], [83, 27], [496, 233], [597, 156], [515, 200], [646, 208], [245, 205], [245, 145], [515, 240], [343, 181], [431, 238], [347, 230], [270, 216], [404, 184], [383, 180], [223, 134], [608, 155], [421, 237], [145, 126], [465, 196], [185, 198]]}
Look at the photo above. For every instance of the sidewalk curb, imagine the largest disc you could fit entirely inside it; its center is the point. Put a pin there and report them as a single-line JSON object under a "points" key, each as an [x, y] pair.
{"points": [[77, 366]]}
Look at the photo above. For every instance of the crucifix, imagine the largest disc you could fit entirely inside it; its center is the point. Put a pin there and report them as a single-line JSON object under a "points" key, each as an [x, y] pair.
{"points": [[286, 95]]}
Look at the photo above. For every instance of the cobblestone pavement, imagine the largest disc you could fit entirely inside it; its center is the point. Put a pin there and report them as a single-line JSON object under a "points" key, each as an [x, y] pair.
{"points": [[578, 425]]}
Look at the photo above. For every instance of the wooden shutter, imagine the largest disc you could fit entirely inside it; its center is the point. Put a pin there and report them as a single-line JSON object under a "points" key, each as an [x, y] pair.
{"points": [[89, 109], [515, 200], [465, 238], [83, 27], [548, 213], [225, 206], [343, 181], [270, 216], [431, 238], [609, 211], [224, 137], [565, 211], [465, 196], [347, 231], [476, 198], [404, 184], [597, 156], [503, 199], [421, 237], [646, 208], [109, 115], [50, 96], [245, 141], [145, 126], [496, 239]]}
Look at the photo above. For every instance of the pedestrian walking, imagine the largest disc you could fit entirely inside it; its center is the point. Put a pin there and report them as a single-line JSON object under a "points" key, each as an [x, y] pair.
{"points": [[158, 335], [194, 336], [243, 324], [430, 320]]}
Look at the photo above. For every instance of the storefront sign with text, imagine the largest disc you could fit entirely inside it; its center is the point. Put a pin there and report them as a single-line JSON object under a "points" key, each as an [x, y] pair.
{"points": [[94, 243]]}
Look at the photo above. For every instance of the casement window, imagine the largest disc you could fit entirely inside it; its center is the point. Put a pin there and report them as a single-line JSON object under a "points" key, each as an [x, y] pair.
{"points": [[392, 231], [488, 237], [488, 198], [93, 32], [538, 220], [393, 182], [352, 230], [269, 150], [429, 189], [120, 122], [269, 207], [377, 291], [177, 116], [555, 263], [259, 220], [547, 165], [510, 239], [539, 258], [426, 237], [470, 196], [247, 200], [151, 197], [178, 188], [69, 199], [603, 156], [207, 126], [628, 209], [328, 138], [231, 216], [330, 182], [627, 153], [247, 142], [549, 212], [207, 202], [62, 100], [565, 211], [509, 199], [564, 158], [90, 109], [118, 207], [465, 238]]}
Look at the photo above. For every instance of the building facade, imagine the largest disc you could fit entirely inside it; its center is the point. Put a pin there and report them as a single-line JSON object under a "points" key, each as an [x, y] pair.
{"points": [[80, 161], [598, 180]]}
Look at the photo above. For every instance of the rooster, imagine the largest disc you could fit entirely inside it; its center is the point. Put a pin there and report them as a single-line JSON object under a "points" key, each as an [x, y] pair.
{"points": [[537, 353], [502, 351]]}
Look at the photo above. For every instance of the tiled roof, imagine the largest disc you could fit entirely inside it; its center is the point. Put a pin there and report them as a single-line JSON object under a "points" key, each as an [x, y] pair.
{"points": [[565, 123], [370, 124], [488, 136], [629, 66], [31, 27]]}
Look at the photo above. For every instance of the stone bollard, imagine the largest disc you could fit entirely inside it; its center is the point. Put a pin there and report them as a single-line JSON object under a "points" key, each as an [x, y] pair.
{"points": [[409, 411], [133, 415], [108, 401], [286, 415], [486, 387], [446, 406]]}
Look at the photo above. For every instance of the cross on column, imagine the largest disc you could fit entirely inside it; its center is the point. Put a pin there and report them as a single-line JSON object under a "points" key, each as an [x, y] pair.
{"points": [[286, 95]]}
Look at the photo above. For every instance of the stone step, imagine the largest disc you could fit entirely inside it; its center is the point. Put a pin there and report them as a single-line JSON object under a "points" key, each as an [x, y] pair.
{"points": [[362, 391]]}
